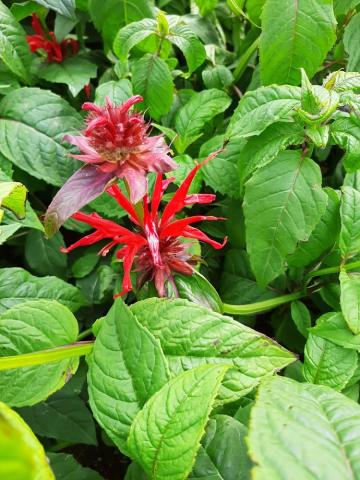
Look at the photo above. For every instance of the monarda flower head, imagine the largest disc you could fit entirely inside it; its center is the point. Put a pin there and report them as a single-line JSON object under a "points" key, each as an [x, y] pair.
{"points": [[154, 247], [114, 144], [41, 40]]}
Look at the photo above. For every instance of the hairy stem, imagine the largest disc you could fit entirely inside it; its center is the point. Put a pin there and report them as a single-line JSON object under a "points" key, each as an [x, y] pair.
{"points": [[330, 270], [259, 307], [84, 334]]}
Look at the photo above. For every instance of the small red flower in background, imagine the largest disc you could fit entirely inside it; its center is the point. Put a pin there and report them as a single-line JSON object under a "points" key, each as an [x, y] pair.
{"points": [[154, 246], [46, 41], [117, 142]]}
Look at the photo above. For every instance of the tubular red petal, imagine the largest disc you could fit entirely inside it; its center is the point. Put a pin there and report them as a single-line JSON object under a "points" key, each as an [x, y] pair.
{"points": [[124, 203], [87, 240], [191, 232], [200, 198], [128, 255], [107, 227], [157, 195], [36, 25], [125, 107], [176, 228]]}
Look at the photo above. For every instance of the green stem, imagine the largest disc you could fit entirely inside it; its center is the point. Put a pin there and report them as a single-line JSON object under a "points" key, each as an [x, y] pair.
{"points": [[330, 270], [84, 334], [259, 307], [45, 356], [244, 60]]}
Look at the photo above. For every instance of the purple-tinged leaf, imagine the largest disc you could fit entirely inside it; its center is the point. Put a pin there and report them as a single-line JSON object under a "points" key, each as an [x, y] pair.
{"points": [[84, 186]]}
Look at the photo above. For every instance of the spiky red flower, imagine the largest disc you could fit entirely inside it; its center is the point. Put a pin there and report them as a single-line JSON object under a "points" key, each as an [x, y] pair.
{"points": [[56, 52], [117, 142], [154, 246]]}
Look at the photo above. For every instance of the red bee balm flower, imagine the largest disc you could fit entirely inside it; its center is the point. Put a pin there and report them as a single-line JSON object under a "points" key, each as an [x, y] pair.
{"points": [[117, 142], [154, 246], [114, 144], [56, 52]]}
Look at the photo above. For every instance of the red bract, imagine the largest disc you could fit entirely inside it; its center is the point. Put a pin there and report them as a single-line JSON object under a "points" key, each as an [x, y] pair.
{"points": [[117, 141], [154, 245], [46, 41]]}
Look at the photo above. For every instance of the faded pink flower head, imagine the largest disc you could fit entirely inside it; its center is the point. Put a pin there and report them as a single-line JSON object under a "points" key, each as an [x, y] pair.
{"points": [[118, 142]]}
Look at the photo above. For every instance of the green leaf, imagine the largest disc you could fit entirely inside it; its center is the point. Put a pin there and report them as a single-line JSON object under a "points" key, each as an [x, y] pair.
{"points": [[196, 113], [319, 241], [25, 9], [193, 50], [126, 367], [332, 326], [342, 81], [351, 43], [7, 231], [283, 203], [17, 286], [261, 150], [191, 335], [98, 286], [301, 317], [131, 35], [32, 126], [22, 456], [44, 255], [326, 363], [303, 431], [13, 197], [261, 108], [75, 72], [67, 468], [223, 455], [118, 92], [350, 299], [198, 289], [206, 6], [63, 418], [349, 240], [64, 7], [345, 131], [48, 324], [167, 448], [219, 77], [344, 6], [221, 174], [14, 50], [109, 23], [300, 37], [152, 80]]}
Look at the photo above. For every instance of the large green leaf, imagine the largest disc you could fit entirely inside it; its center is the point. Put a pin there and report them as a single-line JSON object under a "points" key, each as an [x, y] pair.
{"points": [[350, 299], [283, 203], [63, 418], [191, 335], [303, 431], [319, 241], [126, 367], [33, 123], [345, 131], [66, 467], [198, 111], [64, 7], [261, 150], [44, 255], [152, 80], [17, 286], [22, 456], [14, 50], [131, 35], [295, 34], [349, 241], [332, 326], [193, 50], [110, 15], [344, 6], [48, 324], [221, 174], [261, 108], [75, 72], [326, 363], [351, 43], [223, 455], [165, 435], [118, 91]]}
